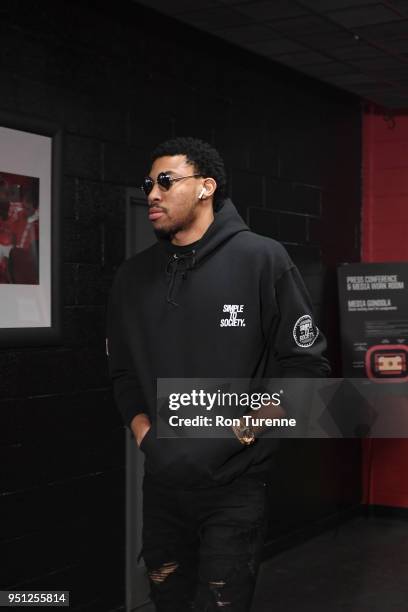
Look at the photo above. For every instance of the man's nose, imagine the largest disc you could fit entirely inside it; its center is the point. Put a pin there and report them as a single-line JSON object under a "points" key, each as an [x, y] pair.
{"points": [[155, 195]]}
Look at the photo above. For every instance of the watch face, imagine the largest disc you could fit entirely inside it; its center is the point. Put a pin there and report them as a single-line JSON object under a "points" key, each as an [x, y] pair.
{"points": [[247, 435], [387, 363]]}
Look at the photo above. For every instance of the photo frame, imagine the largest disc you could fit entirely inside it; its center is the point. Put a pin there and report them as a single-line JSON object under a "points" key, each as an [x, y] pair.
{"points": [[30, 201]]}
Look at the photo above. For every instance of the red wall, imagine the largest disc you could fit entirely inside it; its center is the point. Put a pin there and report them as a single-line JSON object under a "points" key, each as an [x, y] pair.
{"points": [[385, 238]]}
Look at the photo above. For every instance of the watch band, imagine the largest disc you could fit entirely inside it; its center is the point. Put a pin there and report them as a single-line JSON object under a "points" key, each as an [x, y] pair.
{"points": [[244, 433]]}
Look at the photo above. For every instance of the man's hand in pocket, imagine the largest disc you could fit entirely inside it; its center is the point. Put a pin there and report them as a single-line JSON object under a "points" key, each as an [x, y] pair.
{"points": [[140, 425]]}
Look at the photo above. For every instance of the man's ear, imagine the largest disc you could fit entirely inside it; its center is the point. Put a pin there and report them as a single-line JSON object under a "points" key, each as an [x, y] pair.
{"points": [[209, 188]]}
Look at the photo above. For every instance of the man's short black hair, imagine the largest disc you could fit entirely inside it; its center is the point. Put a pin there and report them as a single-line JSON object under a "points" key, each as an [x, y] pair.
{"points": [[30, 194], [206, 160], [4, 210]]}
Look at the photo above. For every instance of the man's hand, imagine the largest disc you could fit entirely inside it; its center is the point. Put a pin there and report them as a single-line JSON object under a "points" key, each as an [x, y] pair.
{"points": [[140, 425], [250, 428]]}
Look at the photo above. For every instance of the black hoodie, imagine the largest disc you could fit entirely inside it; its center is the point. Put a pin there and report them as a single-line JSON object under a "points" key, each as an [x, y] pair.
{"points": [[168, 318]]}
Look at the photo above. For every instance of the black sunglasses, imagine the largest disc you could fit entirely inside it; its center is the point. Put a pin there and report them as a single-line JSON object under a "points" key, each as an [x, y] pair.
{"points": [[164, 181]]}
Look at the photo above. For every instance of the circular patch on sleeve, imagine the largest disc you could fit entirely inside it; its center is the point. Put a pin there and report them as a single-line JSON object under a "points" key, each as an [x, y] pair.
{"points": [[305, 331]]}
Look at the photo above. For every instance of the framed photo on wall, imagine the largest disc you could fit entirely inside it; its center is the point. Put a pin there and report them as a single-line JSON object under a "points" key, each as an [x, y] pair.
{"points": [[30, 186]]}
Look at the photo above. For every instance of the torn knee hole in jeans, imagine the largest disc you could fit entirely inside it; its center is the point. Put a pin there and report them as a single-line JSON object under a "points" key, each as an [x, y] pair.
{"points": [[216, 586], [160, 574]]}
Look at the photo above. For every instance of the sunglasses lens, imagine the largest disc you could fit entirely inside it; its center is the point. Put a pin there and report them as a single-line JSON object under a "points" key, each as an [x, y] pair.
{"points": [[164, 180], [147, 185]]}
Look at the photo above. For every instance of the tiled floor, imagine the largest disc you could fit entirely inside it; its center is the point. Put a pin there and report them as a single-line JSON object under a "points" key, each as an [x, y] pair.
{"points": [[360, 567]]}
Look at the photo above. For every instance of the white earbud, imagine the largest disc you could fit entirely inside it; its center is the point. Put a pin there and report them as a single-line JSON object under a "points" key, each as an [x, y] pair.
{"points": [[202, 192]]}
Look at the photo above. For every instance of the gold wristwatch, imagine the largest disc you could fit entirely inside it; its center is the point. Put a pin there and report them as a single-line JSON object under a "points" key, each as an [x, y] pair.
{"points": [[244, 433]]}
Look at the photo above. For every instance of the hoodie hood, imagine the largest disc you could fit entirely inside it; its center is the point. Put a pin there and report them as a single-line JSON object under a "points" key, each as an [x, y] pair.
{"points": [[227, 223]]}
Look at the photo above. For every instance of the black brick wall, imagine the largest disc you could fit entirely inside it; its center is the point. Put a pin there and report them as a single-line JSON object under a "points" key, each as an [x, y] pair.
{"points": [[118, 84]]}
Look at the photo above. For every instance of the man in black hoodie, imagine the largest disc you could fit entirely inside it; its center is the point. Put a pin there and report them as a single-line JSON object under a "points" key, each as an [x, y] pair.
{"points": [[173, 313]]}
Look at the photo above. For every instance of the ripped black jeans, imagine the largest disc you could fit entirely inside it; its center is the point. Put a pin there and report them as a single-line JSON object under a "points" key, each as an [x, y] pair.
{"points": [[202, 548]]}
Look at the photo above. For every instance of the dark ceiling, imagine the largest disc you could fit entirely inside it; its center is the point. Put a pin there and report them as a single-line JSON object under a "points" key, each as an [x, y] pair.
{"points": [[359, 46]]}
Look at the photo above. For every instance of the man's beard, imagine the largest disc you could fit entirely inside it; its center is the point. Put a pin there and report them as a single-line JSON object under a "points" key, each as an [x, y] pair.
{"points": [[168, 233]]}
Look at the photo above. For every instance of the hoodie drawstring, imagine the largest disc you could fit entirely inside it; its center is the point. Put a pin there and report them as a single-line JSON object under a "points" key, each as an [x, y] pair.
{"points": [[172, 268]]}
